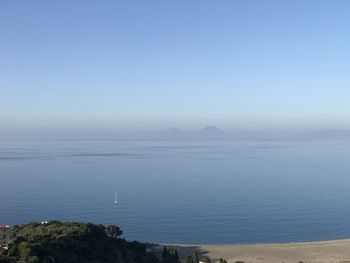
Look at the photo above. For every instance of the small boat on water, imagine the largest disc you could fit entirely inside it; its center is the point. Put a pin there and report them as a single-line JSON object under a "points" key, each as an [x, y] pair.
{"points": [[115, 197]]}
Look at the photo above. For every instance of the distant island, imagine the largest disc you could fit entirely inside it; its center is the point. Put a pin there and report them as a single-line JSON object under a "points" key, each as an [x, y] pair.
{"points": [[209, 132]]}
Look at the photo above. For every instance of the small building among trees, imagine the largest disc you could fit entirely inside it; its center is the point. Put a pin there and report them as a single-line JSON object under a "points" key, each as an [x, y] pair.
{"points": [[6, 237]]}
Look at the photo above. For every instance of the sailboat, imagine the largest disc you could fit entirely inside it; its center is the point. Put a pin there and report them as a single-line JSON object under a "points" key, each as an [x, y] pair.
{"points": [[115, 197]]}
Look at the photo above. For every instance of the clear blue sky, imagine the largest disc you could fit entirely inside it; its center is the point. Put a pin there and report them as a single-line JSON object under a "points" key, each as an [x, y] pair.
{"points": [[153, 64]]}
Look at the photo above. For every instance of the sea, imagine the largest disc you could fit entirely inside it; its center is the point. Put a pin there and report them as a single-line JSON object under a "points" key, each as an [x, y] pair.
{"points": [[188, 192]]}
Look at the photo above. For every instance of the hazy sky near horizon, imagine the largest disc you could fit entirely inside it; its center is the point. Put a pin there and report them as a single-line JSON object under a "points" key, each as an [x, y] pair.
{"points": [[153, 64]]}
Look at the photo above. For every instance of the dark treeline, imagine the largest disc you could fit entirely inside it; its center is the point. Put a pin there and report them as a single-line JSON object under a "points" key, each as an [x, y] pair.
{"points": [[169, 255], [70, 242], [73, 242]]}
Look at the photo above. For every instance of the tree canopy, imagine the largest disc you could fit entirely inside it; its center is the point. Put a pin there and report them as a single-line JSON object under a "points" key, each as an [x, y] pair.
{"points": [[170, 255], [72, 242]]}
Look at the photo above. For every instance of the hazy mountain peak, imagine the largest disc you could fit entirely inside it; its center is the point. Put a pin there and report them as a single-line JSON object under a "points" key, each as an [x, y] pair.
{"points": [[174, 130], [173, 133], [211, 132], [211, 128]]}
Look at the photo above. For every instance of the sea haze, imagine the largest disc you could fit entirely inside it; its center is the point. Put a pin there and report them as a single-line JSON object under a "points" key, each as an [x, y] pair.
{"points": [[218, 191]]}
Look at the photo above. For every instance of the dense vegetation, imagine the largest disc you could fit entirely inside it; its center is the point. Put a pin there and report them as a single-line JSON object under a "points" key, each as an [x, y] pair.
{"points": [[169, 255], [193, 258], [69, 242], [72, 242]]}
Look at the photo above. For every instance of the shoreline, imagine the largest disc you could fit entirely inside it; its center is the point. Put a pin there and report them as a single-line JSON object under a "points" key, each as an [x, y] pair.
{"points": [[332, 251], [252, 244]]}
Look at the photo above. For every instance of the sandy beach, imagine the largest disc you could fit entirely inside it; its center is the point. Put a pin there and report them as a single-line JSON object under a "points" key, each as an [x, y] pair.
{"points": [[322, 251]]}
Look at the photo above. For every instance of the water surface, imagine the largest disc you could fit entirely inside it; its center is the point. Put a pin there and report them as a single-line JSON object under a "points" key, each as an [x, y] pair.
{"points": [[183, 191]]}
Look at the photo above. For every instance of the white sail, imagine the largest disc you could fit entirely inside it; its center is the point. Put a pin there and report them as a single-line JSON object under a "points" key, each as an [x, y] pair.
{"points": [[115, 197]]}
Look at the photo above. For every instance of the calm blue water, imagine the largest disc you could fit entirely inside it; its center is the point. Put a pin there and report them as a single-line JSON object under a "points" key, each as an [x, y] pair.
{"points": [[183, 192]]}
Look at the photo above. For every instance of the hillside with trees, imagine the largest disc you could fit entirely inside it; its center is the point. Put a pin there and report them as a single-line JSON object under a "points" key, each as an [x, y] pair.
{"points": [[72, 242]]}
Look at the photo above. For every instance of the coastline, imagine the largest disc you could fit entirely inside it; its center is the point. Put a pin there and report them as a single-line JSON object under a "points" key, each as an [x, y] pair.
{"points": [[314, 251]]}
